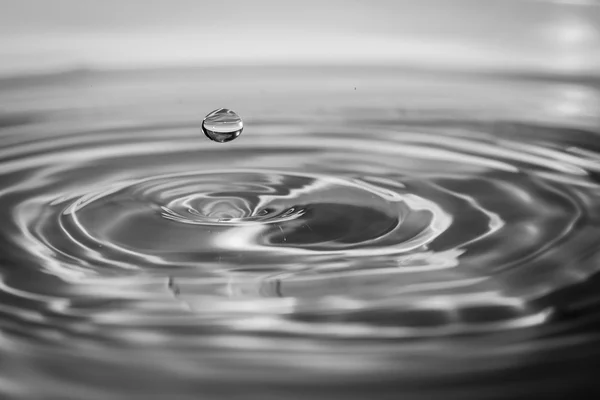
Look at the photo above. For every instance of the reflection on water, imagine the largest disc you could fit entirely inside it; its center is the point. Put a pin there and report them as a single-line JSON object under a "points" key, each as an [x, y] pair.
{"points": [[429, 237]]}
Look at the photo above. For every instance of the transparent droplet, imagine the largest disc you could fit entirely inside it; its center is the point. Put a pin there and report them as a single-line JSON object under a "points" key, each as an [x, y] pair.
{"points": [[222, 125]]}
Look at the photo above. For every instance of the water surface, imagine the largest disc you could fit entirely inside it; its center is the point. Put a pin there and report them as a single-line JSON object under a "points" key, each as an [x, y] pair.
{"points": [[373, 234]]}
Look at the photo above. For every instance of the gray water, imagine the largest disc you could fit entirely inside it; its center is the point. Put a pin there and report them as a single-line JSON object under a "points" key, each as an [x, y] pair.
{"points": [[374, 233]]}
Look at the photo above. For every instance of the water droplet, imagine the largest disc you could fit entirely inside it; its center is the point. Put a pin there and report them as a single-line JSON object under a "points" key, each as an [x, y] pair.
{"points": [[222, 125]]}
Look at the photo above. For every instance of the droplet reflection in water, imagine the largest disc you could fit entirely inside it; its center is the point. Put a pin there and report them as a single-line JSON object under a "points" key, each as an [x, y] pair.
{"points": [[222, 125]]}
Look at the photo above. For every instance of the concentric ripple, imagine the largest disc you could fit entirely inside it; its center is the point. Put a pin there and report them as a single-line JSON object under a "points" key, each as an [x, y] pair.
{"points": [[417, 233], [306, 249]]}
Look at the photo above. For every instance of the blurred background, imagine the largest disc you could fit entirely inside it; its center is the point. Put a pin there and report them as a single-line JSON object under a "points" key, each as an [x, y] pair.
{"points": [[542, 36]]}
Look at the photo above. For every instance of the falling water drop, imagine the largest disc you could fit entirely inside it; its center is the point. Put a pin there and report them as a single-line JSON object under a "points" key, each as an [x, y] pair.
{"points": [[222, 125]]}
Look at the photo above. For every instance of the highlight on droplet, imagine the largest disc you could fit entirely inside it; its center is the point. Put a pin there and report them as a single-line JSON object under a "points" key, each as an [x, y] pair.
{"points": [[222, 125]]}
